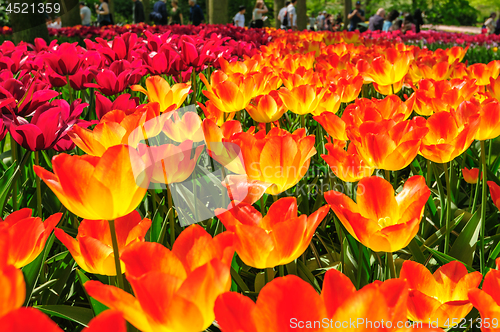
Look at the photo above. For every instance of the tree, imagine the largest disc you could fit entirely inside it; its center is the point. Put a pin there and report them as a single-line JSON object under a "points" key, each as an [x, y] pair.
{"points": [[28, 26], [301, 9], [278, 4], [347, 10], [71, 13], [217, 11]]}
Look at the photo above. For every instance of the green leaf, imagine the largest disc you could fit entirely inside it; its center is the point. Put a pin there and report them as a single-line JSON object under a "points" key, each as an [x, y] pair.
{"points": [[417, 253], [97, 306], [465, 245], [9, 177], [445, 259], [305, 274], [32, 271], [76, 314]]}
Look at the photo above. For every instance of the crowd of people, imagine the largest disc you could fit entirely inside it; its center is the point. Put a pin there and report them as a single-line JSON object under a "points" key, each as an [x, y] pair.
{"points": [[382, 21], [159, 14]]}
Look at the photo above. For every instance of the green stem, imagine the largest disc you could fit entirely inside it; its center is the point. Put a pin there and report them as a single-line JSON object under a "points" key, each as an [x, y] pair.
{"points": [[38, 188], [303, 120], [171, 217], [475, 195], [13, 149], [360, 265], [390, 262], [116, 253], [262, 206], [483, 208], [281, 270], [268, 127], [387, 175], [193, 79], [269, 274], [448, 208]]}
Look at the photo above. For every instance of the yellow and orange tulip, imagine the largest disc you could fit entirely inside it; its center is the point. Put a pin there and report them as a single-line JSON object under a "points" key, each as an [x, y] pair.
{"points": [[487, 300], [23, 237], [13, 290], [303, 99], [379, 220], [174, 290], [275, 239], [387, 144], [266, 108], [440, 297], [471, 175], [187, 128], [96, 188], [93, 250], [158, 90], [450, 134]]}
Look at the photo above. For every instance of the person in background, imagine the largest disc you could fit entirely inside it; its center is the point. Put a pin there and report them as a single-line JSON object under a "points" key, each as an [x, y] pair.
{"points": [[312, 23], [497, 27], [259, 9], [320, 20], [377, 20], [356, 16], [396, 25], [408, 24], [393, 15], [418, 19], [103, 14], [282, 14], [490, 24], [239, 18], [292, 15], [85, 14], [175, 14], [159, 14], [328, 22], [195, 13], [138, 11], [337, 26]]}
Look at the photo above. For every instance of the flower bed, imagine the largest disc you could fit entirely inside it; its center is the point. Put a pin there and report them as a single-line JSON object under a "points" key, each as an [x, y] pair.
{"points": [[194, 181]]}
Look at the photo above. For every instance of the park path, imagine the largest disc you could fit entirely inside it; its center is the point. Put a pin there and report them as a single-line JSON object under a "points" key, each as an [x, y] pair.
{"points": [[450, 28]]}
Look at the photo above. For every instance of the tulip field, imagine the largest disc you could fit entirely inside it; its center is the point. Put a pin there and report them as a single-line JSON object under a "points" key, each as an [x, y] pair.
{"points": [[242, 180]]}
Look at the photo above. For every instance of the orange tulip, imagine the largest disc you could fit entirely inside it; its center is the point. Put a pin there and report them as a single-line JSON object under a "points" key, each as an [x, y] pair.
{"points": [[379, 220], [441, 296], [95, 142], [437, 96], [266, 108], [174, 290], [389, 108], [214, 114], [487, 300], [493, 89], [168, 163], [229, 95], [330, 103], [23, 237], [450, 134], [30, 319], [220, 146], [281, 305], [387, 144], [346, 165], [333, 125], [483, 72], [27, 320], [13, 290], [92, 249], [117, 128], [471, 175], [289, 304], [390, 68], [158, 90], [241, 188], [495, 193], [349, 88], [183, 129], [489, 117], [433, 69], [96, 188], [301, 76], [276, 239], [279, 157], [303, 99]]}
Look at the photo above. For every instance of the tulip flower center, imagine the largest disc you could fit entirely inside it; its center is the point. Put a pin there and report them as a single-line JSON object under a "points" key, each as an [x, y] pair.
{"points": [[385, 222], [441, 141]]}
